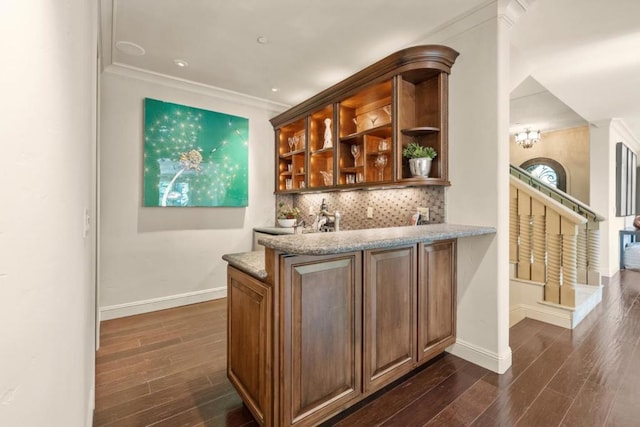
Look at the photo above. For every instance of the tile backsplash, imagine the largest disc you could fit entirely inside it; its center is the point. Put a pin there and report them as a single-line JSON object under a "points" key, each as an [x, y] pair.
{"points": [[391, 207]]}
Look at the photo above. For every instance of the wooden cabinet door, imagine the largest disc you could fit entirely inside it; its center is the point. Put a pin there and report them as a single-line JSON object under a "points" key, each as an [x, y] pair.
{"points": [[249, 335], [321, 336], [389, 315], [436, 298]]}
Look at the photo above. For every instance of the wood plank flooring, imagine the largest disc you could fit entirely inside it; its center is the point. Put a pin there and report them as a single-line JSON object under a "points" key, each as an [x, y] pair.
{"points": [[167, 368]]}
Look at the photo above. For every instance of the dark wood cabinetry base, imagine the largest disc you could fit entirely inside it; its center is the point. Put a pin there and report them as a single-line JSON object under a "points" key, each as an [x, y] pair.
{"points": [[321, 333]]}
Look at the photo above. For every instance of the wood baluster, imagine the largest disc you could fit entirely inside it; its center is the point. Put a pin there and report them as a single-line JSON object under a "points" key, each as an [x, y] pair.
{"points": [[569, 263], [593, 254], [513, 224], [582, 254], [538, 266], [554, 258], [524, 250]]}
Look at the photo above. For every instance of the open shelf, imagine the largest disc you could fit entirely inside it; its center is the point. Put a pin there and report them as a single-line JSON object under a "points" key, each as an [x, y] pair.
{"points": [[398, 100], [419, 131]]}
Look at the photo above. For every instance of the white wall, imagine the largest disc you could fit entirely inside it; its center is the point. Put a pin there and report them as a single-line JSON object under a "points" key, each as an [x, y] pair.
{"points": [[47, 290], [570, 148], [153, 258], [478, 163], [604, 135]]}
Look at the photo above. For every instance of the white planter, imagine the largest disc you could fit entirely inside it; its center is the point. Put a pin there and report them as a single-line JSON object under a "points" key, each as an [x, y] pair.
{"points": [[420, 166], [286, 223]]}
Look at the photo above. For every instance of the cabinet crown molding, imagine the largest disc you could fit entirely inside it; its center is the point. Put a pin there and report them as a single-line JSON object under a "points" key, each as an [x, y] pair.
{"points": [[437, 57]]}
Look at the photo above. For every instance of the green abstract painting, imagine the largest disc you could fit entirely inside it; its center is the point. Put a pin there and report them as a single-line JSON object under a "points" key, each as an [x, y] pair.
{"points": [[194, 157]]}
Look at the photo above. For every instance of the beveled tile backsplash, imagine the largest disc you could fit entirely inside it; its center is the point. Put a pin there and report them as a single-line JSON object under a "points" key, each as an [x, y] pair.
{"points": [[391, 207]]}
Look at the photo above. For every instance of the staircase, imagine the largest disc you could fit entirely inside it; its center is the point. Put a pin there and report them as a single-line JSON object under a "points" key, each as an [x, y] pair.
{"points": [[554, 250]]}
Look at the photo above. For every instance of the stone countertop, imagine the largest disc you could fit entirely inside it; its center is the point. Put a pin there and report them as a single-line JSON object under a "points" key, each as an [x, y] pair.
{"points": [[355, 240], [274, 230], [251, 263]]}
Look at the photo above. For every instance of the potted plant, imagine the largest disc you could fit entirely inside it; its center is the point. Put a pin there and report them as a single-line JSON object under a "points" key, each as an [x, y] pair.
{"points": [[419, 158], [287, 216]]}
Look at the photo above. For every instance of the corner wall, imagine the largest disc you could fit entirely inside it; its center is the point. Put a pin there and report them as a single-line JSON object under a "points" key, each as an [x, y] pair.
{"points": [[604, 136], [47, 289], [154, 258], [478, 164]]}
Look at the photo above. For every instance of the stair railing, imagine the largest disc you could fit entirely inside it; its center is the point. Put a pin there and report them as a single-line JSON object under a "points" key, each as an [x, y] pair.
{"points": [[554, 238]]}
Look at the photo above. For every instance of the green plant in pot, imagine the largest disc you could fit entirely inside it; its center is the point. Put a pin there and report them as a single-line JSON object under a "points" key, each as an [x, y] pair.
{"points": [[420, 158]]}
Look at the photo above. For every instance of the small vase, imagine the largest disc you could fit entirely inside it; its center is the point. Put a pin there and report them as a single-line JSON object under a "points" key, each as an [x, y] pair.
{"points": [[420, 166]]}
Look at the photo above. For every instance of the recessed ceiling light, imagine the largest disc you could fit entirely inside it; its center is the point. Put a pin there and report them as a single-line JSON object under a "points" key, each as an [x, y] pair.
{"points": [[130, 48], [181, 63], [262, 40], [274, 89]]}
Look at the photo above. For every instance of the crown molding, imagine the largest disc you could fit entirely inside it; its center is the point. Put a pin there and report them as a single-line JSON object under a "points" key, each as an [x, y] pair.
{"points": [[620, 126], [510, 11], [460, 24], [191, 86]]}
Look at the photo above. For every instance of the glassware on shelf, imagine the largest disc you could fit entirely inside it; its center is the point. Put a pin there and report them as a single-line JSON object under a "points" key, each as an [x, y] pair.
{"points": [[380, 163], [292, 142], [351, 178], [383, 145], [327, 177], [288, 184], [373, 118], [355, 152], [359, 177]]}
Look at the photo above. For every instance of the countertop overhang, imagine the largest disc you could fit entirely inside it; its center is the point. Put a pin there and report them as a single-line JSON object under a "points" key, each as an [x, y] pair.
{"points": [[350, 240], [356, 240]]}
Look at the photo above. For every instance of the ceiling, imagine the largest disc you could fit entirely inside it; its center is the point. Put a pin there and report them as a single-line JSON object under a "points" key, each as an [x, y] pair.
{"points": [[582, 54], [586, 53]]}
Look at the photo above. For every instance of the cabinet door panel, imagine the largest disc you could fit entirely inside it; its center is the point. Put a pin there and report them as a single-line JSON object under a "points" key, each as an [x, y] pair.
{"points": [[390, 315], [321, 336], [249, 341], [436, 298]]}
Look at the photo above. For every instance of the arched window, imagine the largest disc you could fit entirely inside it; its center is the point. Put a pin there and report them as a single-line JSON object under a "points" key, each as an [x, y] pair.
{"points": [[548, 171]]}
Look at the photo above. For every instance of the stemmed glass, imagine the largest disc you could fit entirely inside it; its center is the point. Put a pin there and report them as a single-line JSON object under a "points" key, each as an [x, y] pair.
{"points": [[355, 152], [292, 143], [380, 163], [373, 119]]}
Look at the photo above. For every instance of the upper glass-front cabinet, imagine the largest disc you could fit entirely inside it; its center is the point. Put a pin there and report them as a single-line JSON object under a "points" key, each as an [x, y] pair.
{"points": [[353, 134]]}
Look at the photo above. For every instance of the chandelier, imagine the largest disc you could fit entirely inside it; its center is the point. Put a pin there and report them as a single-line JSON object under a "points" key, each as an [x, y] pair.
{"points": [[527, 138]]}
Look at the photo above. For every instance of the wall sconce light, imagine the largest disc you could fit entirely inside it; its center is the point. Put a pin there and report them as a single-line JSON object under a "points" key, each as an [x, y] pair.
{"points": [[527, 138]]}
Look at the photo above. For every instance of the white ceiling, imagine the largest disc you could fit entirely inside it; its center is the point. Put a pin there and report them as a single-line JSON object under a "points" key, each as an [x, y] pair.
{"points": [[584, 52], [533, 107]]}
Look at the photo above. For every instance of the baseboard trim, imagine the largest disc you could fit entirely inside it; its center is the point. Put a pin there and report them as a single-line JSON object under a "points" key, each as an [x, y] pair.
{"points": [[147, 306], [481, 356], [558, 317], [532, 306]]}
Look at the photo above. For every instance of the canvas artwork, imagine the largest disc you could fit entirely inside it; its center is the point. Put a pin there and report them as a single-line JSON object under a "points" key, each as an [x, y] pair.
{"points": [[194, 157]]}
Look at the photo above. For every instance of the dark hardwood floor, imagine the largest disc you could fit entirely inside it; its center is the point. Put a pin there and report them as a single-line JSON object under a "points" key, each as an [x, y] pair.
{"points": [[167, 368]]}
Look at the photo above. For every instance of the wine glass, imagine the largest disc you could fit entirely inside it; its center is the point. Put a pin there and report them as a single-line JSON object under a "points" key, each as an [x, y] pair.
{"points": [[292, 142], [380, 163], [355, 152], [373, 118]]}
